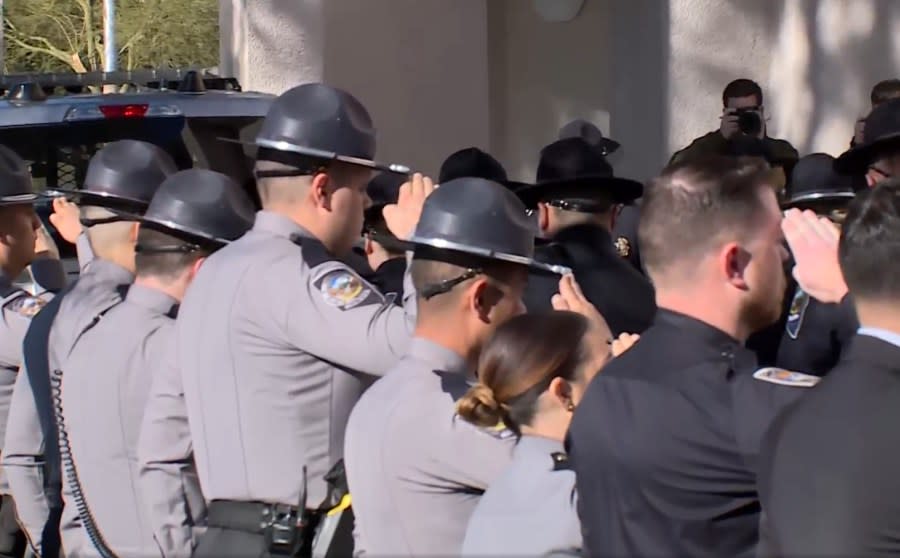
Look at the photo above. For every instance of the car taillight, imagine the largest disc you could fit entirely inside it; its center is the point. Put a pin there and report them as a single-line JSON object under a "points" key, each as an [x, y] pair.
{"points": [[98, 112], [123, 111]]}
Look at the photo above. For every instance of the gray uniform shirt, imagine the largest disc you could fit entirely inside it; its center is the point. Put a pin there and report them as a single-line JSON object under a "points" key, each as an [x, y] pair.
{"points": [[106, 381], [274, 341], [16, 310], [529, 510], [416, 470], [23, 457], [168, 479]]}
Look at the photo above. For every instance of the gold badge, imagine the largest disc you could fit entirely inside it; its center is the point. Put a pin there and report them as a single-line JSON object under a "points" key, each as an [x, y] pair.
{"points": [[623, 247], [27, 306]]}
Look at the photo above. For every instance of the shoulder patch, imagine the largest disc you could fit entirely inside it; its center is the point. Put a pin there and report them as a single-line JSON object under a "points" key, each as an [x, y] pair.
{"points": [[26, 305], [623, 247], [343, 289], [795, 315], [786, 377]]}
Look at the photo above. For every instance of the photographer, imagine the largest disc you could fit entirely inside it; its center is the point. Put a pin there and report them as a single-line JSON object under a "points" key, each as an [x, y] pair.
{"points": [[743, 119]]}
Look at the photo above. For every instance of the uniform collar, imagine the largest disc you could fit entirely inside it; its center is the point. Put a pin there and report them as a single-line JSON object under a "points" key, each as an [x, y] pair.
{"points": [[279, 225], [109, 270], [5, 282], [594, 235], [887, 336], [704, 340], [539, 445], [152, 299], [440, 358]]}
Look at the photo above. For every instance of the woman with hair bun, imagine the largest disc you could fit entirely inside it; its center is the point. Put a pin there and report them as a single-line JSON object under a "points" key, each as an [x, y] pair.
{"points": [[531, 375]]}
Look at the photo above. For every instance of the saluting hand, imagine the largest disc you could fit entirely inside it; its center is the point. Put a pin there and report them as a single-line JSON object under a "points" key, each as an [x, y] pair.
{"points": [[814, 244], [571, 298], [624, 342], [402, 217], [66, 218], [44, 244]]}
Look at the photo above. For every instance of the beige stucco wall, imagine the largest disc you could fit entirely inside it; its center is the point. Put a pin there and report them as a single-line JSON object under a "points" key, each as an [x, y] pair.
{"points": [[442, 74]]}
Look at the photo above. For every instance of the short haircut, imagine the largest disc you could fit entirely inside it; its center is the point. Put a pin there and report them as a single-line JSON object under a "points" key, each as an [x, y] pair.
{"points": [[164, 265], [106, 235], [742, 88], [696, 205], [884, 91], [432, 267], [285, 189], [869, 250]]}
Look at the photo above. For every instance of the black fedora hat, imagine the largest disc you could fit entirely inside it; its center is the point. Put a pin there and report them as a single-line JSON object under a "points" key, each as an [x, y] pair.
{"points": [[200, 206], [589, 132], [481, 218], [573, 169], [882, 131], [321, 122], [815, 182], [124, 175], [15, 179]]}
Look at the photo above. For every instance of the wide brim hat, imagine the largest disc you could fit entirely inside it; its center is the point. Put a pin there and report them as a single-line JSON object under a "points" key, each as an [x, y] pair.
{"points": [[474, 163], [480, 218], [199, 205], [814, 181], [16, 187], [123, 175], [572, 168], [320, 122], [881, 132]]}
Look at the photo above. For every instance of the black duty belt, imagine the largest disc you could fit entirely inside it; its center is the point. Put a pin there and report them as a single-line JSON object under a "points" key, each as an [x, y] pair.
{"points": [[287, 532]]}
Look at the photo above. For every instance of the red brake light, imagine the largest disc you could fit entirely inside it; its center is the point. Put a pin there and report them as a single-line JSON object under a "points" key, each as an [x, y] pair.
{"points": [[123, 111]]}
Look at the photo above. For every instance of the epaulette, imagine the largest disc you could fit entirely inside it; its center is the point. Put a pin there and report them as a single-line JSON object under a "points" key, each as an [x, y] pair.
{"points": [[561, 461]]}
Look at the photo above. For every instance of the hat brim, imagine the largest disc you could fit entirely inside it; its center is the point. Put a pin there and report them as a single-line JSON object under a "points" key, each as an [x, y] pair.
{"points": [[100, 199], [613, 188], [169, 227], [533, 265], [818, 197], [857, 159], [21, 199], [321, 154]]}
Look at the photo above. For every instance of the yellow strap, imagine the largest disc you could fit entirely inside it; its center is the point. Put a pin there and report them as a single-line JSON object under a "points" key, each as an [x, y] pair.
{"points": [[342, 505]]}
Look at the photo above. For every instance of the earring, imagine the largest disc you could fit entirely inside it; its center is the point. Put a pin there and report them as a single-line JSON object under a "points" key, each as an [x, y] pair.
{"points": [[570, 406]]}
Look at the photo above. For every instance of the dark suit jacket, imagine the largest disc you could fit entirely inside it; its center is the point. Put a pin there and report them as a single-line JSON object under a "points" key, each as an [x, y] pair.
{"points": [[388, 278], [829, 480], [624, 296]]}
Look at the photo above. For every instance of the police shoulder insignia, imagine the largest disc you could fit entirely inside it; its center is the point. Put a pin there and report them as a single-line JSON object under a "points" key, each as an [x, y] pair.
{"points": [[623, 247], [560, 461], [343, 289], [795, 315], [26, 305], [786, 377]]}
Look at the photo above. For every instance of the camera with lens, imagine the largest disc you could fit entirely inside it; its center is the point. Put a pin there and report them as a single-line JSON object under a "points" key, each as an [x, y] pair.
{"points": [[749, 121]]}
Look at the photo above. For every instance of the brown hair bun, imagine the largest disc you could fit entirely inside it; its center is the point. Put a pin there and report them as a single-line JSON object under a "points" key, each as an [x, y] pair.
{"points": [[480, 407]]}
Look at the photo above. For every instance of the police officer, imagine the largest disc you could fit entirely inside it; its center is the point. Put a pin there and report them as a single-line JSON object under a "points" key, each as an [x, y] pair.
{"points": [[193, 213], [19, 246], [575, 198], [415, 471], [286, 333], [878, 156], [829, 464], [386, 255], [666, 439], [815, 332], [123, 175]]}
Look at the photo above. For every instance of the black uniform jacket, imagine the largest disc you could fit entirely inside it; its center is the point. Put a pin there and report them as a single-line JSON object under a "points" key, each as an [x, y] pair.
{"points": [[830, 466], [665, 444], [624, 296]]}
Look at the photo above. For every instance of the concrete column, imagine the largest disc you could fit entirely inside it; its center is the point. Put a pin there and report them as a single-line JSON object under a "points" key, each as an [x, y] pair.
{"points": [[272, 45]]}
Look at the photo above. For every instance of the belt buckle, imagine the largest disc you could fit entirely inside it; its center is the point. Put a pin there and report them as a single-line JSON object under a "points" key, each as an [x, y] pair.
{"points": [[281, 523]]}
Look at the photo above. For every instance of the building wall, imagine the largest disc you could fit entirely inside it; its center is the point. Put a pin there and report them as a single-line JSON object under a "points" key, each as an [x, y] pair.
{"points": [[439, 75]]}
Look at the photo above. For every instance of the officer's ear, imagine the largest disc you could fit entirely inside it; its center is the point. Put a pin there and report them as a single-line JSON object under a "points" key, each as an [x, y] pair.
{"points": [[543, 216], [368, 246], [561, 390], [482, 296], [734, 261], [320, 190], [195, 267], [133, 235]]}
